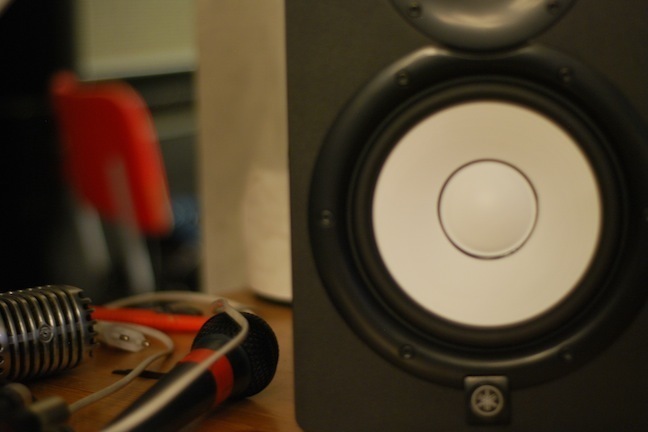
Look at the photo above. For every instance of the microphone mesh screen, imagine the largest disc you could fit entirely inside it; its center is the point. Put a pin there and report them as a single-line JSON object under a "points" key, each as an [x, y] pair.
{"points": [[260, 345]]}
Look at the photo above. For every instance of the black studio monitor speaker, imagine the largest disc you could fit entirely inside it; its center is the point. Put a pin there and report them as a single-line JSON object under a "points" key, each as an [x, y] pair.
{"points": [[469, 204]]}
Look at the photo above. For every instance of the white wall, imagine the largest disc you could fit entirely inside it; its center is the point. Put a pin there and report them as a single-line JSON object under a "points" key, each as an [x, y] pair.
{"points": [[242, 150], [123, 38]]}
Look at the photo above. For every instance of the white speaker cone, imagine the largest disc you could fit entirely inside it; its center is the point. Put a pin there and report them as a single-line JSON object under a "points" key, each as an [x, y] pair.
{"points": [[487, 213]]}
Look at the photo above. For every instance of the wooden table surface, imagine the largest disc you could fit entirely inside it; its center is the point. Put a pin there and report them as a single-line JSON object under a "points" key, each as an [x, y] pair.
{"points": [[271, 410]]}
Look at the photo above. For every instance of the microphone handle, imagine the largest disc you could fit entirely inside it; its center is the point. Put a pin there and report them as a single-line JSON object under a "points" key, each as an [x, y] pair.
{"points": [[225, 378], [191, 403]]}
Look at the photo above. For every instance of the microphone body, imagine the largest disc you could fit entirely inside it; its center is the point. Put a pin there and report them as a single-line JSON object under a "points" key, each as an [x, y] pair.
{"points": [[243, 372]]}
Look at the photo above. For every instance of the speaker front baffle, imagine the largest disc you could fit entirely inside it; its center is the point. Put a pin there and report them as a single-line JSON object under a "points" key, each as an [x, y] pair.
{"points": [[469, 214]]}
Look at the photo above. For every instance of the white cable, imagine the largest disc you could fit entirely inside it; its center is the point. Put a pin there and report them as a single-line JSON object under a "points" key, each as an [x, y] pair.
{"points": [[172, 296], [158, 403], [162, 337]]}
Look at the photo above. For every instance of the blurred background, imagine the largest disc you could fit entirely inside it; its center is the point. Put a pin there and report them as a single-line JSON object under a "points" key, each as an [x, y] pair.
{"points": [[150, 44]]}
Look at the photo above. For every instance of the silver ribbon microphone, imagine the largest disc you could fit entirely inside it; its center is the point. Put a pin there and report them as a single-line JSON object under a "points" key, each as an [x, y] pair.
{"points": [[44, 330]]}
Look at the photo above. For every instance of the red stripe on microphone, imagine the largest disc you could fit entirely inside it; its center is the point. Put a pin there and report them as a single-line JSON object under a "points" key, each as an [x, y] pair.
{"points": [[221, 370]]}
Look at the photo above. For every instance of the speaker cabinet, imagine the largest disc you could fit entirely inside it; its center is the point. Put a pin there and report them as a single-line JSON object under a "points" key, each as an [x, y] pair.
{"points": [[469, 204]]}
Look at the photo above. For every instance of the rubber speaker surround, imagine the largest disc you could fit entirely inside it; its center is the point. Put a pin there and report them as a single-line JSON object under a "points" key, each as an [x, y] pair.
{"points": [[350, 265]]}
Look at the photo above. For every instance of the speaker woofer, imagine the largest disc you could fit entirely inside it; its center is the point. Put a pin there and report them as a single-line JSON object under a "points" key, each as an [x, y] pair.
{"points": [[497, 295], [596, 301]]}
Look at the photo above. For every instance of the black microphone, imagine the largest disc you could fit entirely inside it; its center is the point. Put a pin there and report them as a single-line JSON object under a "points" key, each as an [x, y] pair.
{"points": [[244, 371]]}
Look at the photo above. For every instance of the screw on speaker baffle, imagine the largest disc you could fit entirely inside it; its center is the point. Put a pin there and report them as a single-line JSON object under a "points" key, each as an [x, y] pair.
{"points": [[488, 400], [414, 10]]}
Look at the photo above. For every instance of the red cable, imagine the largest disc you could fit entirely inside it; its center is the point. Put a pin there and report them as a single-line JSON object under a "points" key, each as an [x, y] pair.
{"points": [[161, 321]]}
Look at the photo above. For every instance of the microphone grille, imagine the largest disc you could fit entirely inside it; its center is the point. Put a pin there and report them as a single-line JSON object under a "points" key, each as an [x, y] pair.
{"points": [[260, 345], [44, 330]]}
